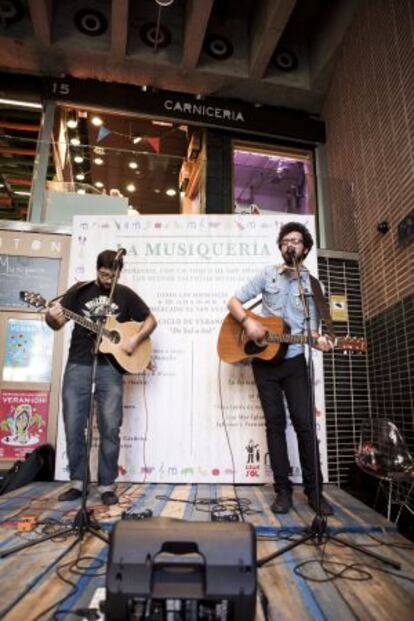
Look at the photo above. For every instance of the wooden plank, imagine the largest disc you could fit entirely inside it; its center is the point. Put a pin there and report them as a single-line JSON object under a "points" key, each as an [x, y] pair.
{"points": [[30, 584]]}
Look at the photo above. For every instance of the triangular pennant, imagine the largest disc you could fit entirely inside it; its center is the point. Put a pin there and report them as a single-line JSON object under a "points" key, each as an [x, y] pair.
{"points": [[102, 133], [155, 143]]}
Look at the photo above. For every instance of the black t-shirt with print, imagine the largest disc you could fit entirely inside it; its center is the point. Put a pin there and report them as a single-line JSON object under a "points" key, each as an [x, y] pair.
{"points": [[89, 301]]}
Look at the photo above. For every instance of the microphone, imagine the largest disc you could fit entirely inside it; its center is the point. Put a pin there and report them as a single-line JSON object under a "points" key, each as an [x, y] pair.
{"points": [[121, 253], [118, 257], [291, 252]]}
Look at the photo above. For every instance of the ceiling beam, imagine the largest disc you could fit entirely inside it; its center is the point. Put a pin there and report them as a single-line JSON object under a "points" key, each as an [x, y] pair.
{"points": [[196, 22], [16, 151], [23, 127], [327, 39], [119, 28], [269, 22], [41, 14]]}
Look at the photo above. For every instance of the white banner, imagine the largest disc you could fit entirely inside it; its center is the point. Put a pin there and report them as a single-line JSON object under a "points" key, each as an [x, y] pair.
{"points": [[190, 418]]}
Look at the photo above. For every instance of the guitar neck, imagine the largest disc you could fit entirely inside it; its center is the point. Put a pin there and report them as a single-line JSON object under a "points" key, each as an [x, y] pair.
{"points": [[290, 339], [84, 322]]}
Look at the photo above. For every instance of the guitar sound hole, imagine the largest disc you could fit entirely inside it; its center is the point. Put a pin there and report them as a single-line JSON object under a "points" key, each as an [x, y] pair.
{"points": [[115, 337], [252, 348]]}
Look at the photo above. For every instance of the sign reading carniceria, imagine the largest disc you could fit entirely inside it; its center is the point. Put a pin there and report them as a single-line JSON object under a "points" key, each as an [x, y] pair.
{"points": [[200, 109]]}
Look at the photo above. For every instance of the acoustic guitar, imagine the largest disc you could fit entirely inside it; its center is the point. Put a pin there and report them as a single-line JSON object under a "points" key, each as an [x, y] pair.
{"points": [[113, 336], [234, 346]]}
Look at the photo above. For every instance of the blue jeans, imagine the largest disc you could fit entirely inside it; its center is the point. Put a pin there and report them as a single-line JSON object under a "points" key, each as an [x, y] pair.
{"points": [[108, 406]]}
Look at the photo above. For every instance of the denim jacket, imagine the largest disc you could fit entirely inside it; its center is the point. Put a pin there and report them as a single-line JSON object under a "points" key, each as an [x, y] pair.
{"points": [[280, 296]]}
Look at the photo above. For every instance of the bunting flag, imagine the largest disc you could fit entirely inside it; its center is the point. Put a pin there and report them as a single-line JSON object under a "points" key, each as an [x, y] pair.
{"points": [[102, 133], [155, 143]]}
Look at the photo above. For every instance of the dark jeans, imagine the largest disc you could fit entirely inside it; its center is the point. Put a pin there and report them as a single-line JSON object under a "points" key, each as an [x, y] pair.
{"points": [[290, 377], [108, 401]]}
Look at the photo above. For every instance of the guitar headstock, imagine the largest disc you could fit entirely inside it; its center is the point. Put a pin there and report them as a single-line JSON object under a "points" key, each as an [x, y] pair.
{"points": [[351, 343], [33, 299]]}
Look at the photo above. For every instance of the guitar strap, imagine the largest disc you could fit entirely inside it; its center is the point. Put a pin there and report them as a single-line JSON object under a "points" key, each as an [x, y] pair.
{"points": [[322, 305]]}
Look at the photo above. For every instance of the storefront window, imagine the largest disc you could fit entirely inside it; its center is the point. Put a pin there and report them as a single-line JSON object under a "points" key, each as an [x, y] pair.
{"points": [[267, 181]]}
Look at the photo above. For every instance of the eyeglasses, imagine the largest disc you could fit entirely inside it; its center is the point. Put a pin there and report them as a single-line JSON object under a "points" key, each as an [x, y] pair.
{"points": [[105, 274], [295, 241]]}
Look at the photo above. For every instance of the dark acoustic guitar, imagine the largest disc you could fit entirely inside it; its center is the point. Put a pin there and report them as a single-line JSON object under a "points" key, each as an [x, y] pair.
{"points": [[234, 346], [113, 336]]}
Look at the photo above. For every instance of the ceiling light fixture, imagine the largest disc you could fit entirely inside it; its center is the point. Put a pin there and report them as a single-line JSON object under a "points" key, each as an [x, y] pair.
{"points": [[75, 142], [162, 123], [164, 2], [136, 139], [99, 184], [78, 159], [130, 187], [171, 192], [21, 104], [97, 121], [81, 191], [72, 122], [80, 176], [98, 161], [133, 165], [22, 193]]}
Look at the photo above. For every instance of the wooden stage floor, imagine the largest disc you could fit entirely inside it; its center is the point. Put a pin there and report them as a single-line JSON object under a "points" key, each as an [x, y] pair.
{"points": [[338, 583]]}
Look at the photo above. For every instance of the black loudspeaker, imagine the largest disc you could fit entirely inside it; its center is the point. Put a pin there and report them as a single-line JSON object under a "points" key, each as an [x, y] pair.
{"points": [[161, 568]]}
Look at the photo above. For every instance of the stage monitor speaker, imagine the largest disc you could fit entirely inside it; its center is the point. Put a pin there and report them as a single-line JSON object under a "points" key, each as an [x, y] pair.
{"points": [[174, 570]]}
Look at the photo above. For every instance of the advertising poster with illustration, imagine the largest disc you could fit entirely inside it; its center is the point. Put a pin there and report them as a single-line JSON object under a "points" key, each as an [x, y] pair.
{"points": [[189, 417], [23, 422]]}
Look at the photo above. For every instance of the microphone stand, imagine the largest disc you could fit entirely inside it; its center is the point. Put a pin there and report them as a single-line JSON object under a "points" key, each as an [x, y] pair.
{"points": [[318, 531], [84, 520]]}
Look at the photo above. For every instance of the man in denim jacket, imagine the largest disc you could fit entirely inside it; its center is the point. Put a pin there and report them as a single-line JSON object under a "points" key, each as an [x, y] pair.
{"points": [[278, 286]]}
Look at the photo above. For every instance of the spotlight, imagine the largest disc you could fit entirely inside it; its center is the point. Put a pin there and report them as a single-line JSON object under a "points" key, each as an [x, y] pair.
{"points": [[80, 176], [133, 165], [130, 187], [144, 88], [98, 161], [75, 142], [97, 121], [72, 122], [171, 192], [78, 159], [99, 184]]}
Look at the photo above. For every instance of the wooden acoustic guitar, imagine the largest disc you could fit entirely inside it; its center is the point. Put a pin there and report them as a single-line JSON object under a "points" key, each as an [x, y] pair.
{"points": [[113, 336], [234, 346]]}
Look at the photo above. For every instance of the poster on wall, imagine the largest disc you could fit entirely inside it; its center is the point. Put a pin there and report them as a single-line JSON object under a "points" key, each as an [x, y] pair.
{"points": [[190, 418], [23, 422], [28, 351]]}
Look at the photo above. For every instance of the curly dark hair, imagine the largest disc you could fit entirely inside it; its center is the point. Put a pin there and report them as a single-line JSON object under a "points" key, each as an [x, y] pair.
{"points": [[289, 227], [106, 259]]}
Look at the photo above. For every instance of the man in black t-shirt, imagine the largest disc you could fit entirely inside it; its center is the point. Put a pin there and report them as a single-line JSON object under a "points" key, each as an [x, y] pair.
{"points": [[89, 300]]}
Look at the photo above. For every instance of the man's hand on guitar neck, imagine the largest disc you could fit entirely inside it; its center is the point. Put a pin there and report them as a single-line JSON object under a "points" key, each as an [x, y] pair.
{"points": [[55, 317], [323, 343]]}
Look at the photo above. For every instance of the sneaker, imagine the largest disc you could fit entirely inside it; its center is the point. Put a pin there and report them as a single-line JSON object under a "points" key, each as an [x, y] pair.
{"points": [[109, 498], [325, 507], [71, 494], [282, 502]]}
